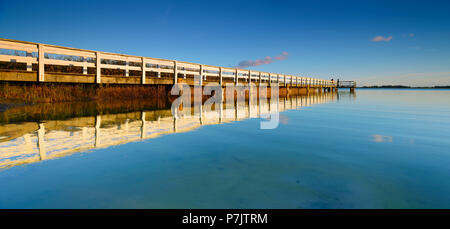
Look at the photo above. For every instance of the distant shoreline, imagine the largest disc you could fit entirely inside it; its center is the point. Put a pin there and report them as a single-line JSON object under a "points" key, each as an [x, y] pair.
{"points": [[406, 87]]}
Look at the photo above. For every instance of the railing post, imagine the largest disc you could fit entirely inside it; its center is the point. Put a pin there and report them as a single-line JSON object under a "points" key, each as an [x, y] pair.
{"points": [[41, 63], [85, 69], [127, 70], [29, 64], [260, 78], [204, 75], [175, 72], [236, 77], [143, 70], [98, 68], [201, 75], [220, 76]]}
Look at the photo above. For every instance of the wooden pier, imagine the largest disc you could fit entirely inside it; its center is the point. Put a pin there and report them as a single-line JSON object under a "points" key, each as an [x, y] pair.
{"points": [[92, 66]]}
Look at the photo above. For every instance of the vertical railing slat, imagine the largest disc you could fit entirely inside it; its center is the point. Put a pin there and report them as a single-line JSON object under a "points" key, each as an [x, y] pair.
{"points": [[41, 63], [98, 67]]}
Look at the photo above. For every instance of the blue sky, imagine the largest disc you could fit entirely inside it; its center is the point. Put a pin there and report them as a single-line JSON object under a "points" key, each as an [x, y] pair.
{"points": [[318, 39]]}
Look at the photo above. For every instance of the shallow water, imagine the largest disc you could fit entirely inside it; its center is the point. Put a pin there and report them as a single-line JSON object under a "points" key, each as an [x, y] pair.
{"points": [[373, 149]]}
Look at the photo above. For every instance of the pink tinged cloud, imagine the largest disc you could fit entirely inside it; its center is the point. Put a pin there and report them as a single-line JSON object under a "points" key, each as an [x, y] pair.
{"points": [[258, 62], [381, 38]]}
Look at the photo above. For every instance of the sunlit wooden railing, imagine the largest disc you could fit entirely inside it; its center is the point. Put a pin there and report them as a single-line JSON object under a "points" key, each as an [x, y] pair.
{"points": [[43, 54]]}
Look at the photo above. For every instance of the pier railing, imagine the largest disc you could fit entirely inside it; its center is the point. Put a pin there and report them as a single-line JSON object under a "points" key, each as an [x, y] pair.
{"points": [[346, 84], [43, 54]]}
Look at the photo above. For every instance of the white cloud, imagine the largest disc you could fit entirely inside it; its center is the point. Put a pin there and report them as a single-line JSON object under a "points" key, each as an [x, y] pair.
{"points": [[381, 38]]}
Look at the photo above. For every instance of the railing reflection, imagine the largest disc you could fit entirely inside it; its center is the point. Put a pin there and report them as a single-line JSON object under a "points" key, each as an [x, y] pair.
{"points": [[58, 138]]}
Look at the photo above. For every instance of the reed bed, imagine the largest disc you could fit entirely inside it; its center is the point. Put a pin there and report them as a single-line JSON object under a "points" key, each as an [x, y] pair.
{"points": [[31, 93]]}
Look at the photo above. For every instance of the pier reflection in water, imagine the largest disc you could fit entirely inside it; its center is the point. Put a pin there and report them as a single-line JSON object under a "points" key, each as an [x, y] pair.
{"points": [[29, 142]]}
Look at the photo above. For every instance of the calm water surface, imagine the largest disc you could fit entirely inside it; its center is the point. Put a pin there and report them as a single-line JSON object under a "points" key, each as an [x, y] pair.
{"points": [[374, 149]]}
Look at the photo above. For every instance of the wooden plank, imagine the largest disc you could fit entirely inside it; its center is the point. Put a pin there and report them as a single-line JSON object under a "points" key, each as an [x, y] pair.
{"points": [[143, 71], [68, 63], [98, 64], [209, 68], [159, 70], [120, 57], [41, 63], [211, 74], [18, 59], [188, 72], [18, 46], [69, 52], [159, 62], [191, 66], [123, 67]]}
